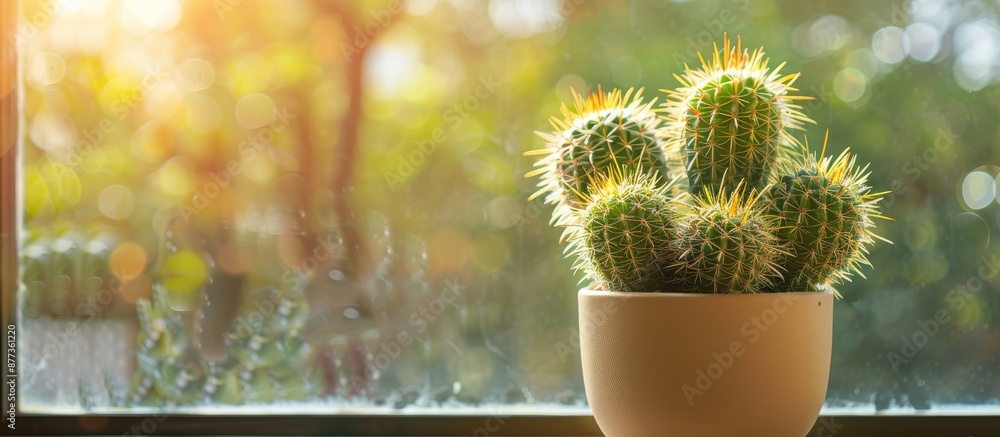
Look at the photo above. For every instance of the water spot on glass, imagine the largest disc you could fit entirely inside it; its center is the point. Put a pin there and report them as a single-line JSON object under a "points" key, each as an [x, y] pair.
{"points": [[336, 275], [351, 314]]}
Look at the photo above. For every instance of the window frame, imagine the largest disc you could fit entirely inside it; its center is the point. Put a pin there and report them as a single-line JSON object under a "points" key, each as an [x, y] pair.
{"points": [[920, 424], [463, 425]]}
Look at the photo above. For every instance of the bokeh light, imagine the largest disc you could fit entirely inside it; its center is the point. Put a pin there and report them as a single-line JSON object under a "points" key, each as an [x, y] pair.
{"points": [[971, 232], [979, 189], [140, 17], [153, 141], [128, 261], [925, 41], [524, 18], [116, 202], [196, 74], [183, 274], [174, 178], [64, 186], [850, 85], [36, 192], [864, 61], [55, 133], [890, 44], [255, 110], [203, 113]]}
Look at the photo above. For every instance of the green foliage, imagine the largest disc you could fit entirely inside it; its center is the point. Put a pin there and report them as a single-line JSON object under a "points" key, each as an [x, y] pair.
{"points": [[726, 245], [269, 358], [624, 235], [604, 132], [729, 120], [823, 213]]}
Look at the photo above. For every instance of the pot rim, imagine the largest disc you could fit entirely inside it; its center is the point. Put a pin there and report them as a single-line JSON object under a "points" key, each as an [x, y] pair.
{"points": [[677, 295]]}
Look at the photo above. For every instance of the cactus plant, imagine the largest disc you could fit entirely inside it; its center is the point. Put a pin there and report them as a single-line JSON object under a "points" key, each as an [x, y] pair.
{"points": [[625, 233], [726, 245], [824, 211], [728, 125], [729, 120], [604, 131]]}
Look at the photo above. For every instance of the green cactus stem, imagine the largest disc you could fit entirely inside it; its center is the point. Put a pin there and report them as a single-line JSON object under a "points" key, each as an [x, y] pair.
{"points": [[729, 120], [604, 131], [726, 245], [824, 211], [625, 233]]}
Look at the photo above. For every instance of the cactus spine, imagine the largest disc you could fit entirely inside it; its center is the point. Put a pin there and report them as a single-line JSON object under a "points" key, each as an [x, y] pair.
{"points": [[602, 132], [625, 233], [729, 120], [726, 245], [824, 211]]}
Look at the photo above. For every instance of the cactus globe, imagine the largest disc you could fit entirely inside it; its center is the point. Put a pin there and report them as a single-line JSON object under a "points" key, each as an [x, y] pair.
{"points": [[624, 234], [604, 131], [731, 118], [824, 211], [727, 245]]}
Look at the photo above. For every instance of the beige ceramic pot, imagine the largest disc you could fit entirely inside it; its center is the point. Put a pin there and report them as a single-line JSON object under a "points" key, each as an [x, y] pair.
{"points": [[704, 365]]}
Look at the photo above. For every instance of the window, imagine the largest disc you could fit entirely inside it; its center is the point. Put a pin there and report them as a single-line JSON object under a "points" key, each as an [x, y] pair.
{"points": [[263, 207]]}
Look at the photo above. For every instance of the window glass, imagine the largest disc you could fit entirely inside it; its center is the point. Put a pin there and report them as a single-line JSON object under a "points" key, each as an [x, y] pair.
{"points": [[232, 204]]}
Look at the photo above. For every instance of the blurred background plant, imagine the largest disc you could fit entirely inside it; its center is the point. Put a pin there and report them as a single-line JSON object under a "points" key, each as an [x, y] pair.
{"points": [[353, 157]]}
